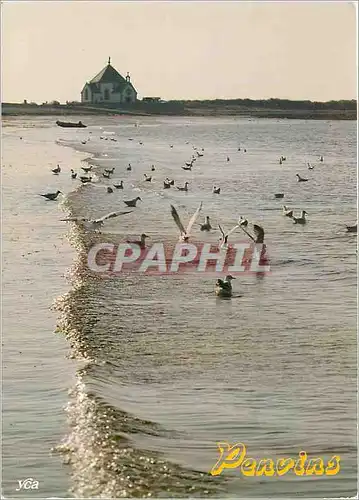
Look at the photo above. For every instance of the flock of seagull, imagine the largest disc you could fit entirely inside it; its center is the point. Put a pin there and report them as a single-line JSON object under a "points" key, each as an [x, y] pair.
{"points": [[223, 288]]}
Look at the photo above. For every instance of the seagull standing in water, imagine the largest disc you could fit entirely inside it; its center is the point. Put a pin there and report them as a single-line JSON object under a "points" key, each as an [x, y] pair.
{"points": [[185, 188], [141, 243], [301, 219], [352, 229], [85, 179], [207, 225], [95, 223], [224, 287], [185, 233], [301, 179], [132, 203], [57, 170], [51, 196], [87, 169]]}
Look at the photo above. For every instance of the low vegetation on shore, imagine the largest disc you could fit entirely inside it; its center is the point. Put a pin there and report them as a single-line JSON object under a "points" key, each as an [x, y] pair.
{"points": [[263, 108]]}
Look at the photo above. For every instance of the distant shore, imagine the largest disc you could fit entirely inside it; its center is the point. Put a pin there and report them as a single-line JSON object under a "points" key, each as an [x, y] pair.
{"points": [[271, 108]]}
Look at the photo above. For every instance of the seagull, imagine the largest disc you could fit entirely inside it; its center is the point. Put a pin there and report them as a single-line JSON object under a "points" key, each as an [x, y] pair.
{"points": [[95, 223], [279, 195], [258, 231], [224, 239], [286, 212], [301, 219], [166, 184], [206, 226], [73, 174], [87, 169], [227, 158], [190, 163], [51, 196], [224, 287], [85, 179], [216, 190], [352, 229], [185, 233], [280, 161], [199, 154], [301, 179], [57, 170], [185, 188], [187, 168], [109, 190], [242, 222], [310, 167], [106, 175], [132, 203], [129, 167], [321, 158], [118, 186], [148, 179], [153, 168], [141, 243]]}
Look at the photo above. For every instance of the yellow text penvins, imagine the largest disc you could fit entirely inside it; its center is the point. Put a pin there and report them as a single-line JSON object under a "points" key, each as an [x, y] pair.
{"points": [[232, 457]]}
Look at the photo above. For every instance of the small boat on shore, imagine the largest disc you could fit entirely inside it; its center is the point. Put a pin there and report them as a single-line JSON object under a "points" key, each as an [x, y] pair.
{"points": [[70, 124]]}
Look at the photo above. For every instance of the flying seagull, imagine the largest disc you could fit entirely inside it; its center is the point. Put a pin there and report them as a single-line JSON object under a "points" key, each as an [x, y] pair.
{"points": [[224, 239], [185, 233], [286, 212], [95, 223]]}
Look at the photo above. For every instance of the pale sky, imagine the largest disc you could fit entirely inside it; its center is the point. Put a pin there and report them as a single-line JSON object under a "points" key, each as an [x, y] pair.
{"points": [[181, 50]]}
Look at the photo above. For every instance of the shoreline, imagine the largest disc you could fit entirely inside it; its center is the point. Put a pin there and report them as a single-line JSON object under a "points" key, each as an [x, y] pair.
{"points": [[36, 381], [180, 109]]}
